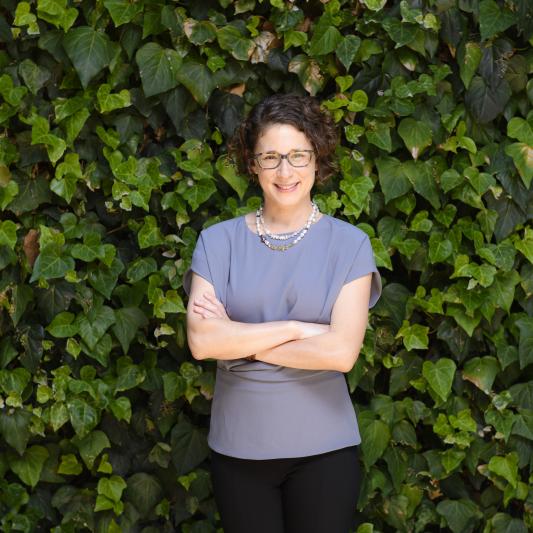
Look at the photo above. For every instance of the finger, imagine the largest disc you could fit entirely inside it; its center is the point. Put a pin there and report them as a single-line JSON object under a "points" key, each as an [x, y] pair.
{"points": [[204, 313], [205, 303], [212, 298], [212, 312]]}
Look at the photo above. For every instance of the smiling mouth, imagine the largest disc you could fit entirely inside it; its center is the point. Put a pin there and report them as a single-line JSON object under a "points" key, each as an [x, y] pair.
{"points": [[287, 188]]}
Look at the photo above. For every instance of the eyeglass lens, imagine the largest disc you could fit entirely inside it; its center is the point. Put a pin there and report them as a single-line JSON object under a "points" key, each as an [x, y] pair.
{"points": [[295, 158]]}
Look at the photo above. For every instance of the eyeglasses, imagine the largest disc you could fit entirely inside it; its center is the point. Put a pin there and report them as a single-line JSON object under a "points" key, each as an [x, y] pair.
{"points": [[296, 158]]}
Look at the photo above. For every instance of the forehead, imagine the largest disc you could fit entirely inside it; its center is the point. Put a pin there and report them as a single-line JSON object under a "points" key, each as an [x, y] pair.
{"points": [[281, 138]]}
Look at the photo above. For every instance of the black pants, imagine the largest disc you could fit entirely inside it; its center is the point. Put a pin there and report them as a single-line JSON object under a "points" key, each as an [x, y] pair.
{"points": [[314, 494]]}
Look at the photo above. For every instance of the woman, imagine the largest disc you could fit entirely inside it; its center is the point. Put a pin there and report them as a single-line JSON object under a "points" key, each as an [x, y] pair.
{"points": [[280, 298]]}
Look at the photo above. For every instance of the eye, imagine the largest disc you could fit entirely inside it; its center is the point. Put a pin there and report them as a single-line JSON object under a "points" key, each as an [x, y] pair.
{"points": [[299, 155]]}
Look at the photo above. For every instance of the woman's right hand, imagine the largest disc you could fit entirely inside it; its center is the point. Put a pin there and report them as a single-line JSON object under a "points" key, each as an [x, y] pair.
{"points": [[310, 329]]}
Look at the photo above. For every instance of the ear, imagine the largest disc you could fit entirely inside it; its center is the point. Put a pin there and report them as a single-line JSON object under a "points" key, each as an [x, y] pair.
{"points": [[254, 167]]}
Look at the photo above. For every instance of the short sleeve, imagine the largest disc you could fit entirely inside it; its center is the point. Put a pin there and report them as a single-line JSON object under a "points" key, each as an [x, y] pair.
{"points": [[363, 263], [210, 260], [199, 265]]}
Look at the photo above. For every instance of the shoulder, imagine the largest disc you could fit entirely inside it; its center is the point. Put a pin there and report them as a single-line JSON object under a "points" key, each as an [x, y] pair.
{"points": [[346, 232], [225, 228]]}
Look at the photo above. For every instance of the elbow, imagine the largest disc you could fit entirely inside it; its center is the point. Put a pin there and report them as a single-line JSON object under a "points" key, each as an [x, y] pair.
{"points": [[195, 350], [347, 361], [197, 344], [196, 354]]}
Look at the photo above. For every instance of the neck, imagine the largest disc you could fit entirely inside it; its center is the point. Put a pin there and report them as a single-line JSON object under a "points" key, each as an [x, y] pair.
{"points": [[281, 220]]}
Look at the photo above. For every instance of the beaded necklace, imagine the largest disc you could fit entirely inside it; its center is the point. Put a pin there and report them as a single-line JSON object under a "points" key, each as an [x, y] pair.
{"points": [[299, 234]]}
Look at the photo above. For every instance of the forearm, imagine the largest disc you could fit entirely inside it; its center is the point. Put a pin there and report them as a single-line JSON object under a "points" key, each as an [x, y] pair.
{"points": [[322, 352], [218, 338]]}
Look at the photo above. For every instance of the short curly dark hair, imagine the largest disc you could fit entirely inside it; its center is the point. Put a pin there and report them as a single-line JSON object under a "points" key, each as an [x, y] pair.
{"points": [[302, 112]]}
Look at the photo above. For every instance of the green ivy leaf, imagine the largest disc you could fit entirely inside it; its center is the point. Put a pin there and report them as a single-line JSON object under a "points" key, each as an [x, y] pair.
{"points": [[522, 155], [108, 101], [8, 233], [420, 176], [492, 20], [347, 50], [123, 11], [467, 321], [15, 428], [57, 13], [440, 376], [14, 381], [104, 278], [144, 492], [375, 5], [460, 515], [34, 76], [50, 265], [521, 130], [128, 320], [141, 268], [469, 59], [121, 408], [439, 248], [111, 487], [506, 467], [375, 437], [83, 416], [174, 386], [94, 324], [378, 134], [325, 40], [294, 38], [486, 102], [74, 124], [40, 134], [308, 72], [89, 50], [197, 78], [63, 325], [199, 192], [70, 466], [91, 446], [29, 467], [189, 445], [356, 195], [150, 234], [24, 17], [416, 135], [415, 337], [393, 183], [482, 372], [525, 346], [200, 31], [159, 68], [233, 39], [502, 290], [451, 459], [237, 182]]}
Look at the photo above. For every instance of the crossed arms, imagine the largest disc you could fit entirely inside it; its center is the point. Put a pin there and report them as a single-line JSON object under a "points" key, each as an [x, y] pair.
{"points": [[291, 343]]}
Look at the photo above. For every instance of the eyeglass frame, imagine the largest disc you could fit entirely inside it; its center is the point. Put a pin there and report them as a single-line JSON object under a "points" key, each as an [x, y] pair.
{"points": [[281, 157]]}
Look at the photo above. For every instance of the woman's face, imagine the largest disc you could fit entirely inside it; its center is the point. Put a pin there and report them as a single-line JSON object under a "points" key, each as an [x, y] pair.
{"points": [[285, 185]]}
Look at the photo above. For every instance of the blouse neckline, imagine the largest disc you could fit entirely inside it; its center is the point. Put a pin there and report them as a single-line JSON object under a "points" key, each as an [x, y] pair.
{"points": [[253, 234]]}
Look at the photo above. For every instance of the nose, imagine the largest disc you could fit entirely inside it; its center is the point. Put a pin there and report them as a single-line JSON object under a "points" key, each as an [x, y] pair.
{"points": [[285, 168]]}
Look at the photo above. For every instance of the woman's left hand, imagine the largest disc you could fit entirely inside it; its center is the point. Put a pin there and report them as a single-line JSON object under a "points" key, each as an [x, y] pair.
{"points": [[208, 306]]}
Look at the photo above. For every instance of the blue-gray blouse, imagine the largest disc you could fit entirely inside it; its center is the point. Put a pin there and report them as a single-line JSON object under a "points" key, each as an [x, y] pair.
{"points": [[265, 411]]}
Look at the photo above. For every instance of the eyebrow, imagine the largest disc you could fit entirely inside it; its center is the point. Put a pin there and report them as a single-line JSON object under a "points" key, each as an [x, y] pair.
{"points": [[293, 150]]}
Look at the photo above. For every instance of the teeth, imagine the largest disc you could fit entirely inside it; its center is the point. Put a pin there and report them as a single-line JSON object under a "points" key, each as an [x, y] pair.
{"points": [[287, 187]]}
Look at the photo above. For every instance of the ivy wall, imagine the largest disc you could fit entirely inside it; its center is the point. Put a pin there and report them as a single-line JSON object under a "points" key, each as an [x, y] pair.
{"points": [[115, 116]]}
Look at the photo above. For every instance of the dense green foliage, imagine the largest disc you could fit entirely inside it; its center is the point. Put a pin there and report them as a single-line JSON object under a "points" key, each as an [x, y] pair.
{"points": [[115, 115]]}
